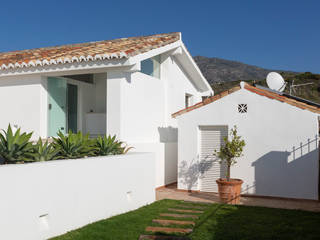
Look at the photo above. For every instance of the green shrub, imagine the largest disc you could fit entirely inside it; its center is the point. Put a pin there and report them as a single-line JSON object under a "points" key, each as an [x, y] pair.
{"points": [[15, 147], [109, 146], [231, 150], [73, 145], [43, 151]]}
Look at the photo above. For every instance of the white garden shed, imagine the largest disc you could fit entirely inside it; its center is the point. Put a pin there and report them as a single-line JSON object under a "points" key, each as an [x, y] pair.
{"points": [[281, 157]]}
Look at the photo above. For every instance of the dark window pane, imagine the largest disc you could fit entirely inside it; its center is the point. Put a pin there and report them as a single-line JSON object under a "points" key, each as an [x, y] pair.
{"points": [[147, 67], [72, 99]]}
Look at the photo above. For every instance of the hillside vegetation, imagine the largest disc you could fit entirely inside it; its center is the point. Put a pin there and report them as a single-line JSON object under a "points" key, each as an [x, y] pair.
{"points": [[223, 74], [310, 92]]}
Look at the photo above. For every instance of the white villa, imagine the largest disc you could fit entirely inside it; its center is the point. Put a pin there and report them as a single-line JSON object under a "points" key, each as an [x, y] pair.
{"points": [[128, 87], [135, 88]]}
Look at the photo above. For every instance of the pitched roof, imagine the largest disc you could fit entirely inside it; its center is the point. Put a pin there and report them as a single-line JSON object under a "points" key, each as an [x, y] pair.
{"points": [[91, 51], [262, 92], [300, 103]]}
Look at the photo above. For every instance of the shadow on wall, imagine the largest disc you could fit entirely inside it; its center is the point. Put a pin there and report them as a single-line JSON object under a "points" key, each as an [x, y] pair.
{"points": [[168, 134], [289, 174], [190, 173]]}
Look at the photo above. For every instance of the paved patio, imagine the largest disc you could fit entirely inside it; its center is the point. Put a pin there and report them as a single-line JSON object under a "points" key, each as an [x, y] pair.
{"points": [[171, 192]]}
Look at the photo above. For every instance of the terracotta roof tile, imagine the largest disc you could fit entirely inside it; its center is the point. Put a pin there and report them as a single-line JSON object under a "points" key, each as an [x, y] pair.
{"points": [[259, 91], [282, 98], [108, 49]]}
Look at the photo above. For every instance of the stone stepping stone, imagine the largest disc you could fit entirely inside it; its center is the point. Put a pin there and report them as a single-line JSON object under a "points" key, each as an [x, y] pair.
{"points": [[199, 203], [192, 207], [168, 230], [184, 210], [161, 237], [165, 222], [178, 215]]}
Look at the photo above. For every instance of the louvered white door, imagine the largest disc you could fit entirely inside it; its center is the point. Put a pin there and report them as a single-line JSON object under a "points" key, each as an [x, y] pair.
{"points": [[211, 138]]}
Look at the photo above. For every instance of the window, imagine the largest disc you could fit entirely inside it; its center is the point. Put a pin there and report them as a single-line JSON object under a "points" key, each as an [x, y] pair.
{"points": [[151, 66], [204, 98], [242, 108], [188, 100]]}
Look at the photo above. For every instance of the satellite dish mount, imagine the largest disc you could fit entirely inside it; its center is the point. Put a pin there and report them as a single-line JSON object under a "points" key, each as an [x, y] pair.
{"points": [[276, 82]]}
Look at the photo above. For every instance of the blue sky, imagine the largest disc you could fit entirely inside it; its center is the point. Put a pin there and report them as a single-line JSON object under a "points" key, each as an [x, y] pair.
{"points": [[272, 34]]}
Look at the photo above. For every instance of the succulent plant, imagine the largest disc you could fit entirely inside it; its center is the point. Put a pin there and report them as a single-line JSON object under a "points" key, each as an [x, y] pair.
{"points": [[108, 145], [73, 145], [15, 147]]}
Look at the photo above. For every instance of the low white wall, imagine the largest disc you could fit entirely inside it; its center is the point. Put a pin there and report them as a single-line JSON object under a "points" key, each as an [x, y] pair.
{"points": [[166, 156], [42, 200]]}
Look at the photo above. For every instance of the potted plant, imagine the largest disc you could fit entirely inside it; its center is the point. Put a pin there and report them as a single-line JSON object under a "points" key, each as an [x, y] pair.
{"points": [[230, 188]]}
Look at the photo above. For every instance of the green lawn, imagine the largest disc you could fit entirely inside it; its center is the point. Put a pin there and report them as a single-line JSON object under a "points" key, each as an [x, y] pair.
{"points": [[218, 222]]}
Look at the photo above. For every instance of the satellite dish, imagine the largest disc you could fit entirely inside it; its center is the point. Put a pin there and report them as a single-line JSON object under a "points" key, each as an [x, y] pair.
{"points": [[276, 82]]}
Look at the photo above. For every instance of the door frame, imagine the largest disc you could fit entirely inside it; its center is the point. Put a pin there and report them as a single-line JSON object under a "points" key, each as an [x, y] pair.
{"points": [[58, 101], [200, 129], [79, 101]]}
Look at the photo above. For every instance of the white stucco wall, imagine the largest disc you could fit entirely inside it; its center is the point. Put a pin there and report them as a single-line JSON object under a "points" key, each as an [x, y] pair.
{"points": [[178, 84], [136, 114], [22, 102], [142, 108], [139, 109], [69, 194], [274, 163], [166, 155], [138, 104], [100, 83]]}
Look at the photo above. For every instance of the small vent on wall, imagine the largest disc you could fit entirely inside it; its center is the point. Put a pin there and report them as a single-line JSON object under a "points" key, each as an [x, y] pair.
{"points": [[242, 108], [44, 222], [129, 196]]}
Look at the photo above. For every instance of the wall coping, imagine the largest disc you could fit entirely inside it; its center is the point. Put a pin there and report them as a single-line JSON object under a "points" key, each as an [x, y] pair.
{"points": [[55, 162]]}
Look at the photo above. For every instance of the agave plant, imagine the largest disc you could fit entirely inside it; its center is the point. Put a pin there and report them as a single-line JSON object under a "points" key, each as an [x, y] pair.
{"points": [[110, 146], [43, 151], [15, 147], [73, 145]]}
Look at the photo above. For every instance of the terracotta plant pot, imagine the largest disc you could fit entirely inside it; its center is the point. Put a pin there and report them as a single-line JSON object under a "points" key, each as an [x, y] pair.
{"points": [[229, 192]]}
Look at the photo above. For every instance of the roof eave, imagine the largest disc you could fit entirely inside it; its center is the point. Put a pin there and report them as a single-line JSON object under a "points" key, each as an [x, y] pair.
{"points": [[74, 67], [82, 56], [126, 62], [193, 70]]}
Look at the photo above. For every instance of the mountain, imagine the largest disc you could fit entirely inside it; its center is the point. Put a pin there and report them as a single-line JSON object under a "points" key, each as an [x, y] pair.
{"points": [[217, 70], [224, 74]]}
